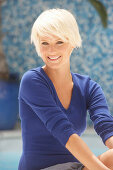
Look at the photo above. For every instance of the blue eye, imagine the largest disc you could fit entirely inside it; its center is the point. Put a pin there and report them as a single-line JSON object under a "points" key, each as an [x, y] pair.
{"points": [[44, 43], [60, 42]]}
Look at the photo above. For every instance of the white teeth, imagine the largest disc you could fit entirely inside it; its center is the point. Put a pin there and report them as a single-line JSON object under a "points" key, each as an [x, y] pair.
{"points": [[53, 58]]}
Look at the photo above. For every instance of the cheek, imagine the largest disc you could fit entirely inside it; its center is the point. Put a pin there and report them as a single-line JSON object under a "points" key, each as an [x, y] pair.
{"points": [[61, 49], [67, 50], [43, 50]]}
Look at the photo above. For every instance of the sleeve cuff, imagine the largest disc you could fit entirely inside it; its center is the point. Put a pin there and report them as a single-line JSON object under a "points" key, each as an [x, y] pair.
{"points": [[107, 136]]}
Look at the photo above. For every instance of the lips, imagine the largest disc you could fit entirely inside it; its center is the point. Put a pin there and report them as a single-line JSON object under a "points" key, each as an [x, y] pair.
{"points": [[53, 58]]}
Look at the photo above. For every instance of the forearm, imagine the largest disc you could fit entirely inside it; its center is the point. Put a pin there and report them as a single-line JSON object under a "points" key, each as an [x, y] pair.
{"points": [[82, 152], [109, 142]]}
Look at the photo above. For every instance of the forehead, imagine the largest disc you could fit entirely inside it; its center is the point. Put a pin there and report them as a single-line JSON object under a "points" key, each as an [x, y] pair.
{"points": [[49, 37]]}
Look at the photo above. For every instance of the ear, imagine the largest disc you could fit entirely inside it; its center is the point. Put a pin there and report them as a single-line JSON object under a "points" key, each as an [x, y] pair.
{"points": [[72, 48]]}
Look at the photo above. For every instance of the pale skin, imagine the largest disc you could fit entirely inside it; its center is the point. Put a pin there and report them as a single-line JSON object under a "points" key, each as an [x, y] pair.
{"points": [[58, 70]]}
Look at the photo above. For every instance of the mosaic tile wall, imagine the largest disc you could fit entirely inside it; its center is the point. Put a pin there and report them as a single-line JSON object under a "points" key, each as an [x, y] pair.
{"points": [[95, 58]]}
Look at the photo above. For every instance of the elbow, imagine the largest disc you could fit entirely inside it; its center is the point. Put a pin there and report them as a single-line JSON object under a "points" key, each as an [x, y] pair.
{"points": [[109, 142]]}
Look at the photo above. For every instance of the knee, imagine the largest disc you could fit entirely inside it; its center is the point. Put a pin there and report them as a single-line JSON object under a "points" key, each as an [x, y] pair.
{"points": [[107, 158]]}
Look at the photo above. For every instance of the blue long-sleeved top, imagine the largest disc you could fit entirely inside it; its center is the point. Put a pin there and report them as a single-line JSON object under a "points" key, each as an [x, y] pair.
{"points": [[47, 125]]}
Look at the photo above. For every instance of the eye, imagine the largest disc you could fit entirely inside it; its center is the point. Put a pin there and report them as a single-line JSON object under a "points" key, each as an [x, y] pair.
{"points": [[44, 43], [60, 42]]}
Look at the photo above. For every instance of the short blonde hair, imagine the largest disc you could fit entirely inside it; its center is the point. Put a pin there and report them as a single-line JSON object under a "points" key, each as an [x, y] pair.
{"points": [[59, 22]]}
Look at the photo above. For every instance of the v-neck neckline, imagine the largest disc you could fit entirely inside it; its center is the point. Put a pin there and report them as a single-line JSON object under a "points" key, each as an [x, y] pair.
{"points": [[59, 102]]}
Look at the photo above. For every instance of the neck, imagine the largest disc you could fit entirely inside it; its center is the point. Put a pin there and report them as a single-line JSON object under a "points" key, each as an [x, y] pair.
{"points": [[59, 76]]}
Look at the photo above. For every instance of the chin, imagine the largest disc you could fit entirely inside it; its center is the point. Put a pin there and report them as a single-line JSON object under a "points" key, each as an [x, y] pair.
{"points": [[54, 64]]}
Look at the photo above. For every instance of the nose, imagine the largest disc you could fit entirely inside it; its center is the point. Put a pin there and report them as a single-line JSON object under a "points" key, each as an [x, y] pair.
{"points": [[51, 48]]}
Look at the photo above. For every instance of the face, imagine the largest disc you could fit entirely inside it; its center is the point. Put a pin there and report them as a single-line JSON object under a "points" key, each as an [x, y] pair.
{"points": [[54, 51]]}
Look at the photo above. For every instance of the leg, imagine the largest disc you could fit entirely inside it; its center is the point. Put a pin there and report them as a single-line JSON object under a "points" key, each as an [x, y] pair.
{"points": [[106, 158]]}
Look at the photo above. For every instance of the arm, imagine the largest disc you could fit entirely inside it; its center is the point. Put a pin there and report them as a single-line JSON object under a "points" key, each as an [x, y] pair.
{"points": [[109, 142], [35, 91], [81, 151], [99, 113]]}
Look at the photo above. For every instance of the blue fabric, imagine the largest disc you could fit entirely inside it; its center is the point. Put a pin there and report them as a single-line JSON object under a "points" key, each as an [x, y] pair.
{"points": [[47, 125]]}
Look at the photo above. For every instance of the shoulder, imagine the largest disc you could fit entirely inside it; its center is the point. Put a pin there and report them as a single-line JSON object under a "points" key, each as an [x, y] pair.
{"points": [[86, 84], [81, 80], [34, 79], [32, 83], [34, 72], [84, 79], [32, 75], [81, 77]]}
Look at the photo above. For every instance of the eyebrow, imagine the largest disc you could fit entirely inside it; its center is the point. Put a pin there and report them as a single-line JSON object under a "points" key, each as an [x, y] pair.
{"points": [[47, 40]]}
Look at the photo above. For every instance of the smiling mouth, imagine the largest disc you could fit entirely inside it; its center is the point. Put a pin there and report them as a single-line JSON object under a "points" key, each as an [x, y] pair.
{"points": [[53, 58]]}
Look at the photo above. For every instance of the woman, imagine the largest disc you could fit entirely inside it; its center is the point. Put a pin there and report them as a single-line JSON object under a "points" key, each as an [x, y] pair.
{"points": [[53, 102]]}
